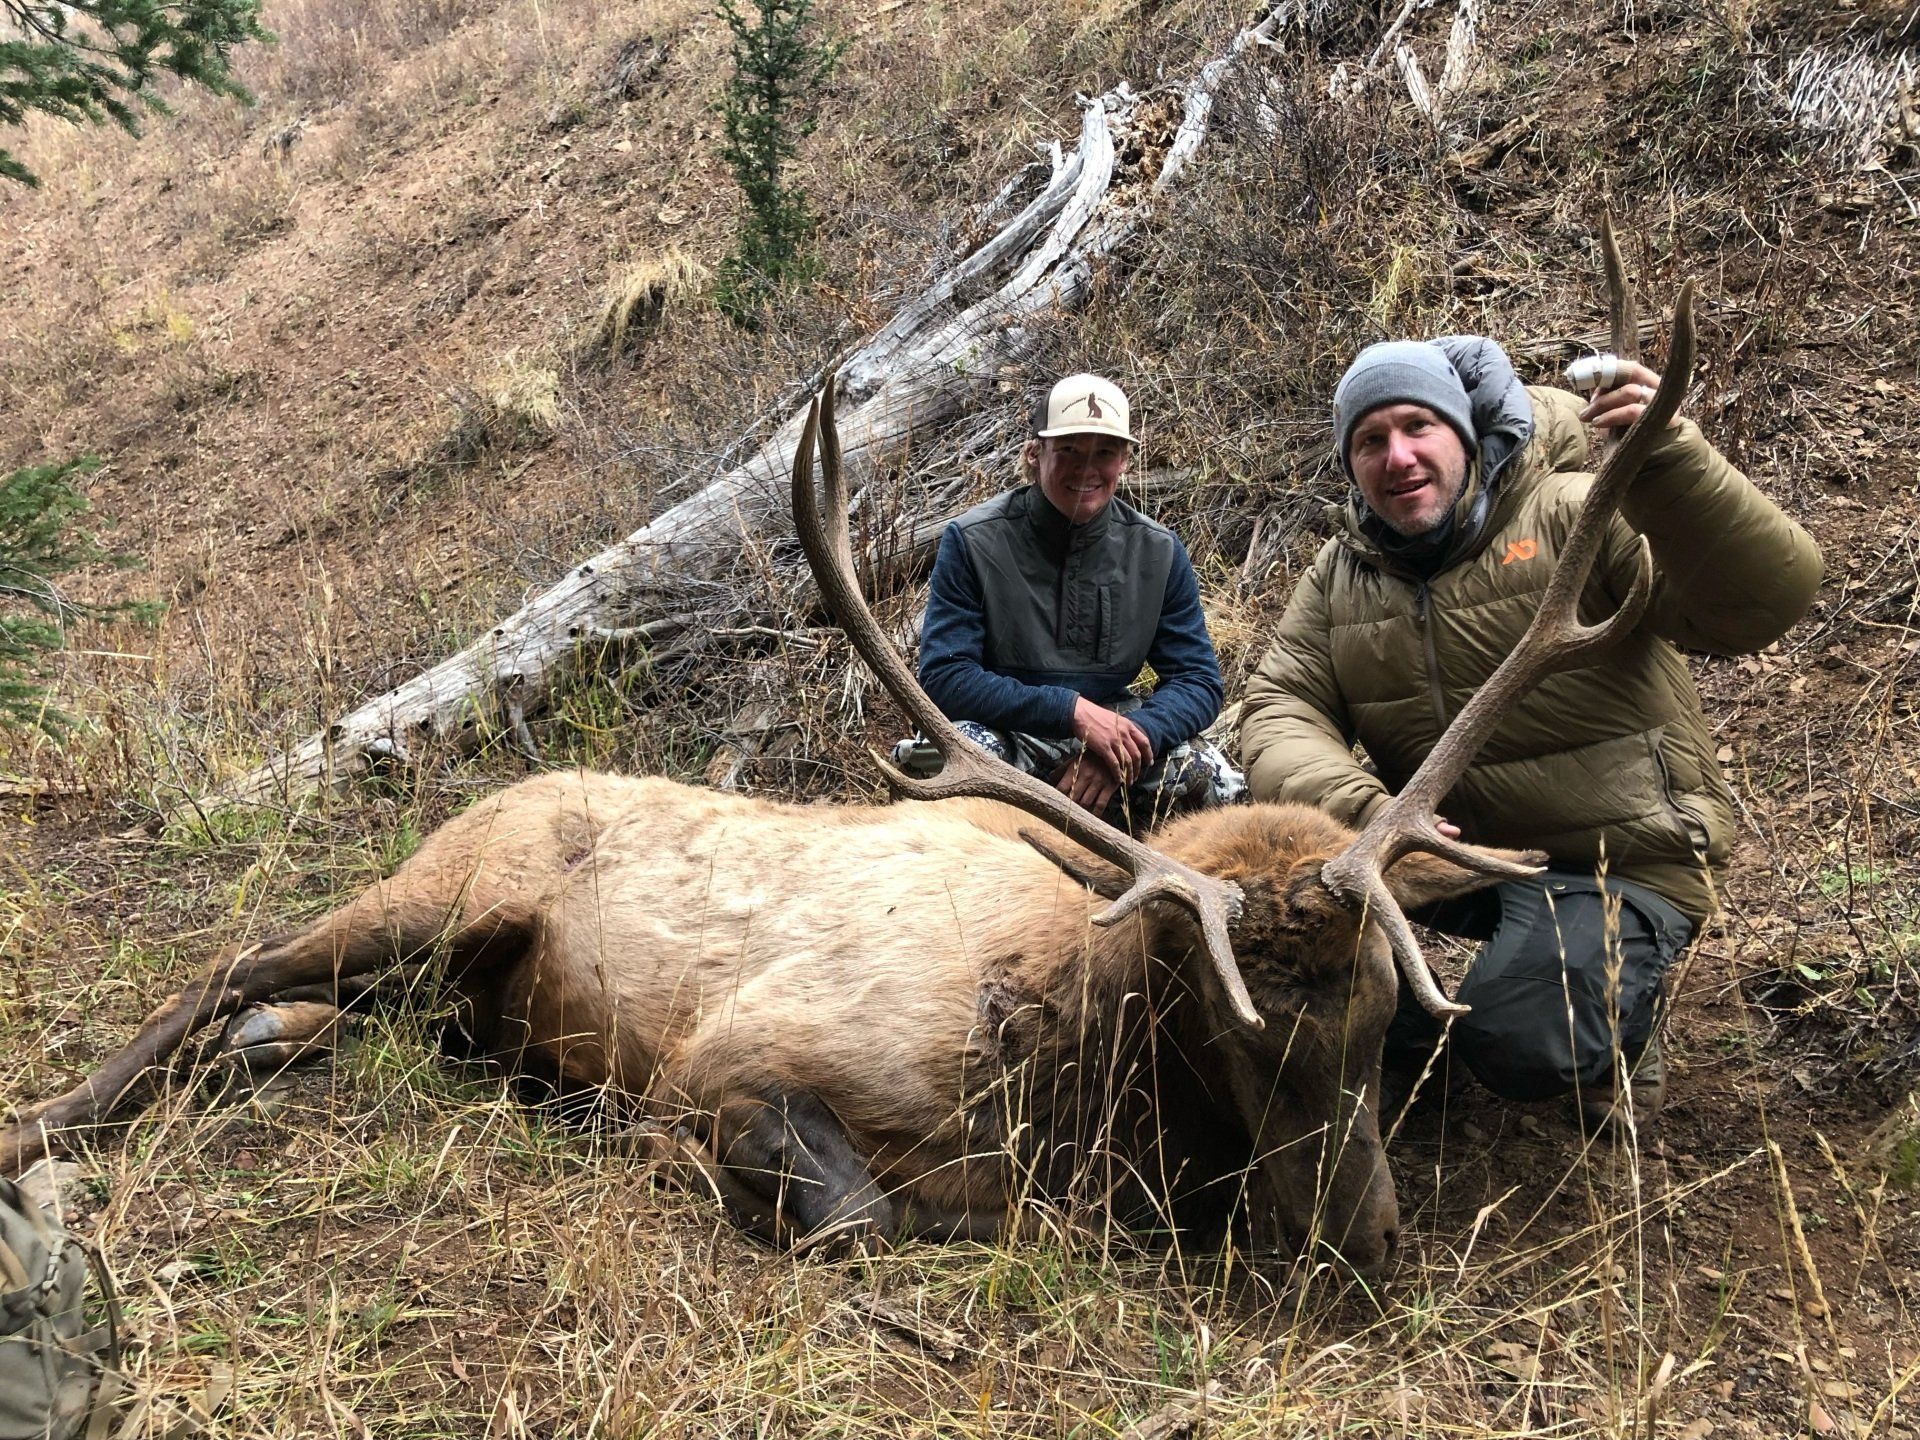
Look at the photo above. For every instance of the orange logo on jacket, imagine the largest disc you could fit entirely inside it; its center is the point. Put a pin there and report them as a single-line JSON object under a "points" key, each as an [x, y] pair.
{"points": [[1520, 550]]}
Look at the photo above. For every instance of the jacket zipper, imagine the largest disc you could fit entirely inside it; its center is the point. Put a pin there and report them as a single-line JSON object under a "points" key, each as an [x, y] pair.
{"points": [[1431, 652], [1422, 616]]}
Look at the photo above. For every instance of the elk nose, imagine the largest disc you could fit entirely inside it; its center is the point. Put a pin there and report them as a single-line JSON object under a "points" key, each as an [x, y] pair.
{"points": [[1380, 1262]]}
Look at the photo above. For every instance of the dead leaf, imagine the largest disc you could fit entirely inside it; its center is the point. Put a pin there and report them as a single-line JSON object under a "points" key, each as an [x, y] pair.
{"points": [[937, 1340], [1177, 1421], [1661, 1378], [1516, 1359]]}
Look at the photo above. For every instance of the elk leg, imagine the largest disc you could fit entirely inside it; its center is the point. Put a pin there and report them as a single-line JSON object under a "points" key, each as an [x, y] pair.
{"points": [[265, 1038], [790, 1153]]}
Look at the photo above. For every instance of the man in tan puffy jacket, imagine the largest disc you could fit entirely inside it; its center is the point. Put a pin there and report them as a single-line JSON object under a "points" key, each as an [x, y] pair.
{"points": [[1465, 486]]}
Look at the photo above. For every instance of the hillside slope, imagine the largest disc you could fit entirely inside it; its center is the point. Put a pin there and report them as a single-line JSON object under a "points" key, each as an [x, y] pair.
{"points": [[347, 393], [294, 358]]}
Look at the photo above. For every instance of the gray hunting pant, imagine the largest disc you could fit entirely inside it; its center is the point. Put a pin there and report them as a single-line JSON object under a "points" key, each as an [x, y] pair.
{"points": [[1191, 776], [1569, 974]]}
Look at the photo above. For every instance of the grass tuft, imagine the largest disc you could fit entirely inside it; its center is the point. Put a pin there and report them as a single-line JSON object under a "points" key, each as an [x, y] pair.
{"points": [[638, 296]]}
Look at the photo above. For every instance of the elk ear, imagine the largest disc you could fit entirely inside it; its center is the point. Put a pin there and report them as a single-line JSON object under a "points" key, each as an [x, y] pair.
{"points": [[1421, 879], [1108, 881]]}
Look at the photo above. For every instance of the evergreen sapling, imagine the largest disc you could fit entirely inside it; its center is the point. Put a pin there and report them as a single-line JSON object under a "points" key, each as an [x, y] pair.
{"points": [[768, 108]]}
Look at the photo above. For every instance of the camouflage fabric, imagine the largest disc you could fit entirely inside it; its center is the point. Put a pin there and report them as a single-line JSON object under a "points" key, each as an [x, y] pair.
{"points": [[1192, 776], [59, 1377]]}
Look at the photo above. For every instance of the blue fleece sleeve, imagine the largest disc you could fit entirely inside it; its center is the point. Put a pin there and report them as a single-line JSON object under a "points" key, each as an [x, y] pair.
{"points": [[1189, 692], [953, 647]]}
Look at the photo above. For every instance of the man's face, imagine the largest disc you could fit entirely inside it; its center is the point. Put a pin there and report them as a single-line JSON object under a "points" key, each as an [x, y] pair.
{"points": [[1409, 464], [1079, 473]]}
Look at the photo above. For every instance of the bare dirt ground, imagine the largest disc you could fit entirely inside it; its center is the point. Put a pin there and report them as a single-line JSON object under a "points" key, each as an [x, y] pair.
{"points": [[308, 369]]}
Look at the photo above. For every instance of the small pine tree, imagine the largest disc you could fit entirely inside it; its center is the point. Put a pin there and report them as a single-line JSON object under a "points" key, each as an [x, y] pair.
{"points": [[779, 70], [39, 543], [98, 60]]}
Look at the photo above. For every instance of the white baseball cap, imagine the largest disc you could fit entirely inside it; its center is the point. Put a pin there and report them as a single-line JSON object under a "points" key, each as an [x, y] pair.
{"points": [[1084, 405]]}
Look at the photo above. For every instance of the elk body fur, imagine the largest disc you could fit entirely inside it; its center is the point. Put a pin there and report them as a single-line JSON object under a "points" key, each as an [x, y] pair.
{"points": [[903, 1019]]}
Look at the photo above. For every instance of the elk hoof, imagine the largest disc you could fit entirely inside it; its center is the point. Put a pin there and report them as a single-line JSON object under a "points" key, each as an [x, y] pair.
{"points": [[264, 1038]]}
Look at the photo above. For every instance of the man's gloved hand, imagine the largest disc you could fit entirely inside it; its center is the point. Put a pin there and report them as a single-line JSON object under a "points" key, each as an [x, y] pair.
{"points": [[1625, 399], [1114, 740]]}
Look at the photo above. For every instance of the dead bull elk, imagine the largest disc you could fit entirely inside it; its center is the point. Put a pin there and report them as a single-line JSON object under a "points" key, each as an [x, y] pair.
{"points": [[906, 1020]]}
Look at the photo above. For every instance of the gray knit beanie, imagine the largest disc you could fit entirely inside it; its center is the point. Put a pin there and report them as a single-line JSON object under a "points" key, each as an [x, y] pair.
{"points": [[1398, 372]]}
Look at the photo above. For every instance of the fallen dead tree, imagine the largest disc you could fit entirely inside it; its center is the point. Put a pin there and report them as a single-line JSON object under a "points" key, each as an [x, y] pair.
{"points": [[936, 361]]}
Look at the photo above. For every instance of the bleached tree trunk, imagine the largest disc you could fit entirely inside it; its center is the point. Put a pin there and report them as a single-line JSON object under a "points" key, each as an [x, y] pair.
{"points": [[935, 361]]}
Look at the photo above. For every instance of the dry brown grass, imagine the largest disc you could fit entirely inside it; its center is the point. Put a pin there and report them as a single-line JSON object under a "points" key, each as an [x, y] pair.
{"points": [[638, 295], [404, 1248], [400, 1247]]}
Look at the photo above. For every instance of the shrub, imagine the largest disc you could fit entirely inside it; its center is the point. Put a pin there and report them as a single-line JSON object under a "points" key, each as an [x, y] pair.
{"points": [[638, 296]]}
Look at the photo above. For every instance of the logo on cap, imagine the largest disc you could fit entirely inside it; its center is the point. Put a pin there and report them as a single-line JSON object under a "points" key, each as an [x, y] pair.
{"points": [[1084, 404]]}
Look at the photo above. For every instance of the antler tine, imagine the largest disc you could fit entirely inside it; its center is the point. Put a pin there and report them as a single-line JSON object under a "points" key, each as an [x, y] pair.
{"points": [[968, 770], [1623, 316], [1554, 641]]}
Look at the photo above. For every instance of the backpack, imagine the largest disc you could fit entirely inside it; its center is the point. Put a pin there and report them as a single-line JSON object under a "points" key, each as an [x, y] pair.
{"points": [[59, 1378]]}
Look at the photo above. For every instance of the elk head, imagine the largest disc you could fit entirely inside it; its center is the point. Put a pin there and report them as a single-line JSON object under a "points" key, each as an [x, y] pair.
{"points": [[1307, 1086]]}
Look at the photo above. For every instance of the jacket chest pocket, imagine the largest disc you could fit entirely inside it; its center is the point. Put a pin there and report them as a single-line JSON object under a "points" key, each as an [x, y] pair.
{"points": [[1086, 623]]}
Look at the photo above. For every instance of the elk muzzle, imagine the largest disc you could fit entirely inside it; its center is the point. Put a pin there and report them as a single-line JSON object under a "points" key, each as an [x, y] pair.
{"points": [[1329, 1191]]}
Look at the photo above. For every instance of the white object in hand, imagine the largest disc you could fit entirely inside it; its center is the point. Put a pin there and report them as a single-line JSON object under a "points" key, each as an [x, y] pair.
{"points": [[1591, 373]]}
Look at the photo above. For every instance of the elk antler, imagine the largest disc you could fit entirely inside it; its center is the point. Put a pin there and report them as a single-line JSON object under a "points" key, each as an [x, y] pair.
{"points": [[968, 770], [1554, 641], [1623, 316]]}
